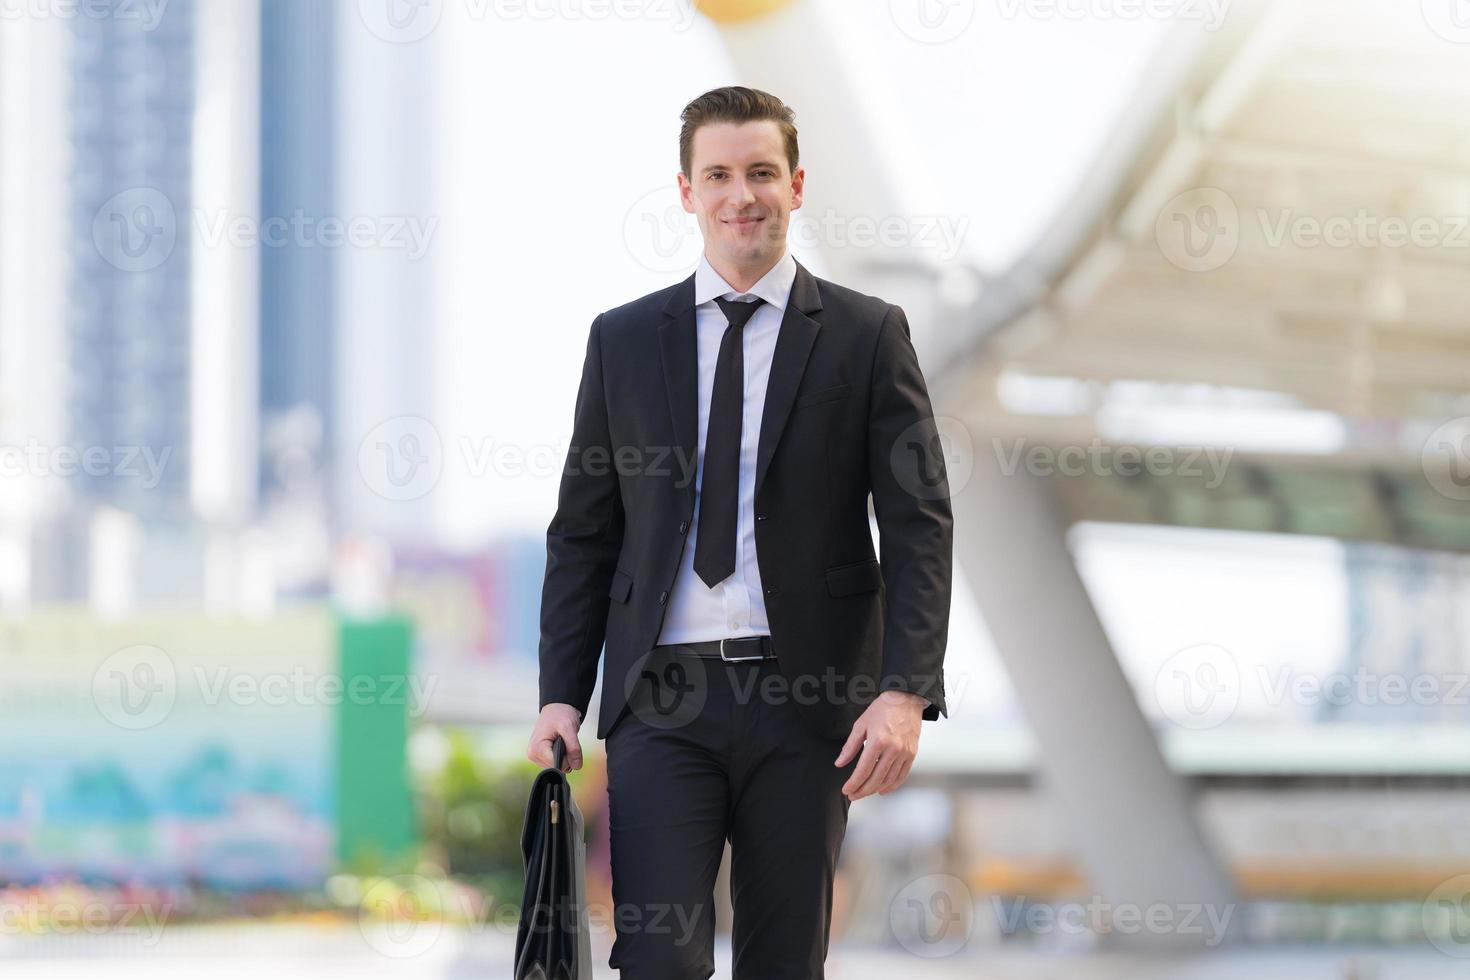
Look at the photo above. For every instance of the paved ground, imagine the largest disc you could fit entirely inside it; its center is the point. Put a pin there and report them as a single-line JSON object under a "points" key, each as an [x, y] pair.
{"points": [[262, 951]]}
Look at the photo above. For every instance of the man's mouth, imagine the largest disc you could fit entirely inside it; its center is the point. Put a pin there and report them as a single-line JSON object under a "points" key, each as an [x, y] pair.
{"points": [[744, 222]]}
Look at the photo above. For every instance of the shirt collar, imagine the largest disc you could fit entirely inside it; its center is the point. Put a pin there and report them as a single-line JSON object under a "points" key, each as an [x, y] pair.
{"points": [[774, 287]]}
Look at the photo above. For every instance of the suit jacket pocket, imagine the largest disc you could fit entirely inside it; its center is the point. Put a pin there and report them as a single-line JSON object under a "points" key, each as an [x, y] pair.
{"points": [[822, 395], [622, 584], [859, 576]]}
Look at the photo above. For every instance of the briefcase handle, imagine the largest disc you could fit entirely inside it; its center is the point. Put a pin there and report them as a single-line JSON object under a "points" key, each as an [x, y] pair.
{"points": [[558, 752]]}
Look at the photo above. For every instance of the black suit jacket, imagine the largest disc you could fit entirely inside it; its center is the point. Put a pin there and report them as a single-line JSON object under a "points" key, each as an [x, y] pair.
{"points": [[847, 413]]}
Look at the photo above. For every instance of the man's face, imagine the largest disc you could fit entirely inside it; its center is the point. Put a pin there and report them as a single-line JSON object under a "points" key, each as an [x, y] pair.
{"points": [[741, 191]]}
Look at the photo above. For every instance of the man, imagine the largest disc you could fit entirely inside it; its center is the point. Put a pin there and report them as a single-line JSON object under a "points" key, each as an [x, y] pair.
{"points": [[763, 670]]}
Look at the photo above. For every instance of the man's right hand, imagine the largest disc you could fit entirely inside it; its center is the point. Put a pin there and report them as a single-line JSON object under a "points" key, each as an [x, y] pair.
{"points": [[556, 719]]}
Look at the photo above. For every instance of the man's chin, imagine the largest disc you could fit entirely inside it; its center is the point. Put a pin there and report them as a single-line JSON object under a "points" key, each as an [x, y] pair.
{"points": [[747, 253]]}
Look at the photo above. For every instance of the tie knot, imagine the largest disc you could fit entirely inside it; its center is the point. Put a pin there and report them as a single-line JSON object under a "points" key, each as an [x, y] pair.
{"points": [[736, 312]]}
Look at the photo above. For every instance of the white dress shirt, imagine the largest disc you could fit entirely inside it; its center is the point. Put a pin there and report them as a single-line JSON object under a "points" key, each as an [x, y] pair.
{"points": [[736, 606]]}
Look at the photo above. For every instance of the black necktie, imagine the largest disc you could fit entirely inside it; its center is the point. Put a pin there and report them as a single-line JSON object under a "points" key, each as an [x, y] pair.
{"points": [[719, 488]]}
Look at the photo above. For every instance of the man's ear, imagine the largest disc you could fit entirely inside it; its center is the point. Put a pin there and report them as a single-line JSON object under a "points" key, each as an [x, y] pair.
{"points": [[686, 190], [798, 185]]}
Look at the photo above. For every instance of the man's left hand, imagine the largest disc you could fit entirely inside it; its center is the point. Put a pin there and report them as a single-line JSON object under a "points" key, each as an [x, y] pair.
{"points": [[887, 733]]}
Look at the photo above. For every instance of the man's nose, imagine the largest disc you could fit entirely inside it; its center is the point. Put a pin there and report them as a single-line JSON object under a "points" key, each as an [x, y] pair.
{"points": [[740, 191]]}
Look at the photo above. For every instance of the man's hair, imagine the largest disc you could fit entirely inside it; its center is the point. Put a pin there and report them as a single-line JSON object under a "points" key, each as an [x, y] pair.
{"points": [[735, 104]]}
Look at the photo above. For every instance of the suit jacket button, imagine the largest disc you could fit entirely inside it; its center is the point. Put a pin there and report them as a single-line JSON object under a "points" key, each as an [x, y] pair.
{"points": [[760, 517], [772, 591], [683, 527], [663, 597]]}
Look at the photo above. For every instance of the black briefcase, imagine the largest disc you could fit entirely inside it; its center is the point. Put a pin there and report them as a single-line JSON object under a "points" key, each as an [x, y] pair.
{"points": [[553, 941]]}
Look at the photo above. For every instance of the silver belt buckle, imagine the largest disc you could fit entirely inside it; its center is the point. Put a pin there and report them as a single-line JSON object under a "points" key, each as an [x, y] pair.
{"points": [[733, 660]]}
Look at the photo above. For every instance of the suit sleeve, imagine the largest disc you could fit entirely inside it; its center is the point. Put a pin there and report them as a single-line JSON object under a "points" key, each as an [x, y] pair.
{"points": [[583, 543], [915, 525]]}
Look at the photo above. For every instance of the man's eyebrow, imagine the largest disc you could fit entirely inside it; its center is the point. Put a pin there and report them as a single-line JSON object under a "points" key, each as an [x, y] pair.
{"points": [[759, 163]]}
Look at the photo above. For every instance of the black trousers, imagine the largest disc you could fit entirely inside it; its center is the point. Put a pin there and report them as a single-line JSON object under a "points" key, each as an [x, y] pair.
{"points": [[710, 751]]}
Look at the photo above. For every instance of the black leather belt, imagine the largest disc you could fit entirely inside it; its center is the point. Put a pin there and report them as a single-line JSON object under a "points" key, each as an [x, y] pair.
{"points": [[728, 650]]}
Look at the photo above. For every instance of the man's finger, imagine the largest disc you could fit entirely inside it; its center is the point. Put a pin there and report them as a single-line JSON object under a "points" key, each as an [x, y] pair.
{"points": [[574, 752], [879, 776], [851, 746], [867, 762], [898, 778]]}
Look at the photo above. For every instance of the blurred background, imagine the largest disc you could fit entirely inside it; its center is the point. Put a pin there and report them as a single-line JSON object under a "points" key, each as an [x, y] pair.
{"points": [[287, 365]]}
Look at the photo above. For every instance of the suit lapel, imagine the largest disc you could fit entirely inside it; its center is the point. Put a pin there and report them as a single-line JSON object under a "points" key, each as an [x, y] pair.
{"points": [[793, 344], [678, 346]]}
